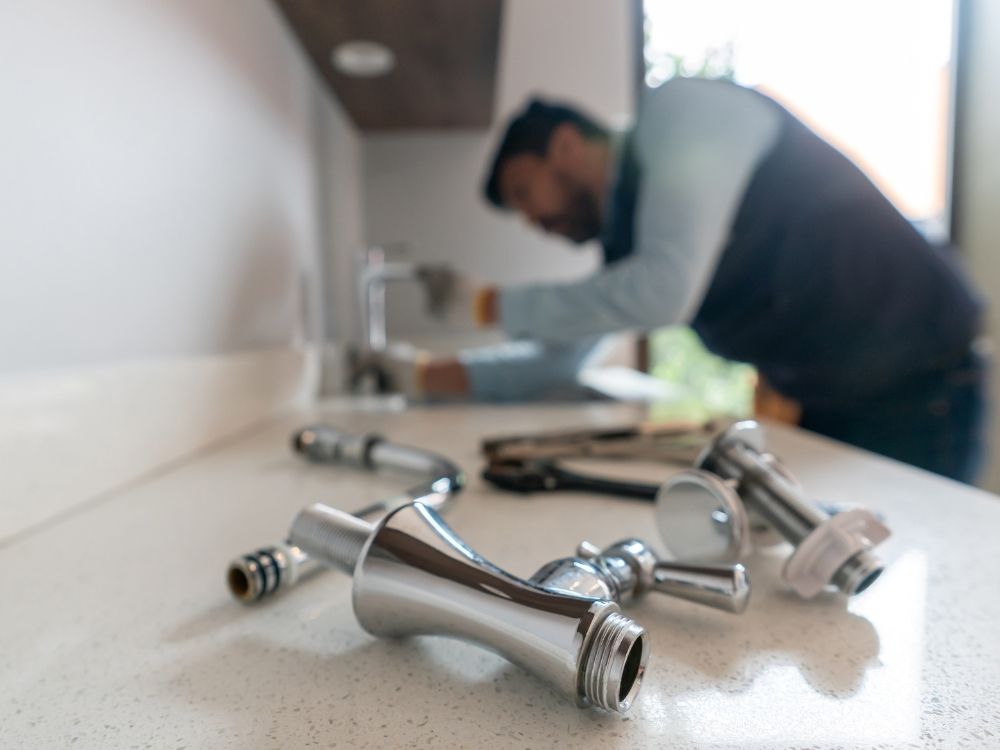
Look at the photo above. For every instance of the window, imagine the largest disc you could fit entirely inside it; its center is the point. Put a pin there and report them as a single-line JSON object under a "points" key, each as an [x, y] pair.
{"points": [[874, 77]]}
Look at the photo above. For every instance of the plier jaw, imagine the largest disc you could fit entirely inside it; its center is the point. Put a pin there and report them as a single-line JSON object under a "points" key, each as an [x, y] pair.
{"points": [[523, 476]]}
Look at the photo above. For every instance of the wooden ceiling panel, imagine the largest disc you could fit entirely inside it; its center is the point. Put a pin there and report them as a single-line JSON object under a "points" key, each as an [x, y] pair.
{"points": [[446, 58]]}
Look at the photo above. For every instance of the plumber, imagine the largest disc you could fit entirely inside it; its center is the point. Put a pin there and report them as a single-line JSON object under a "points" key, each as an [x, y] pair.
{"points": [[720, 210]]}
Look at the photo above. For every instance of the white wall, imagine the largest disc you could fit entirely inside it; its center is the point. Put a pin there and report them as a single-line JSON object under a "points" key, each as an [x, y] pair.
{"points": [[170, 173], [343, 219], [159, 188], [424, 189], [979, 190]]}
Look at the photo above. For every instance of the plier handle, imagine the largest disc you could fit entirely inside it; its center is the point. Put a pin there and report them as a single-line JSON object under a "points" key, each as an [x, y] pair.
{"points": [[678, 442], [545, 475]]}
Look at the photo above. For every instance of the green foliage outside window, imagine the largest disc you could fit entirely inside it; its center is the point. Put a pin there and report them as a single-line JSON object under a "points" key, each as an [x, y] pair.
{"points": [[706, 385]]}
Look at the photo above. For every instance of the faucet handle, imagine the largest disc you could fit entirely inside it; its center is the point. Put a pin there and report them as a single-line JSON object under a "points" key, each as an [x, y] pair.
{"points": [[635, 569], [725, 587]]}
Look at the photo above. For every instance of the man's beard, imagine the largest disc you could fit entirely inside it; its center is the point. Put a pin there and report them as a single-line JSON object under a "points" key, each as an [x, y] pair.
{"points": [[581, 222], [585, 217]]}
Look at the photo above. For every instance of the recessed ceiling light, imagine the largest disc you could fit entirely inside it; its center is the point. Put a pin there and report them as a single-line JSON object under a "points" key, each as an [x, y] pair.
{"points": [[363, 59]]}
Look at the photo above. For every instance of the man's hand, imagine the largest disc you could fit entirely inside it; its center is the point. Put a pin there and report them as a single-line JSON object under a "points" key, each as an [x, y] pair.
{"points": [[455, 298], [401, 368], [486, 307], [769, 404], [415, 373]]}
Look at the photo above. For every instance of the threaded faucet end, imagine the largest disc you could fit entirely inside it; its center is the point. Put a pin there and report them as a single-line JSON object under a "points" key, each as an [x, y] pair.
{"points": [[615, 663], [858, 573]]}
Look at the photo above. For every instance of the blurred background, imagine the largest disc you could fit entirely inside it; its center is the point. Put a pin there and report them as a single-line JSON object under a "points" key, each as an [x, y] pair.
{"points": [[188, 186]]}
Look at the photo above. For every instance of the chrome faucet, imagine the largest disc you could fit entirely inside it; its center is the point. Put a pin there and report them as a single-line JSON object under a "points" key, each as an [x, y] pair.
{"points": [[373, 272], [413, 575]]}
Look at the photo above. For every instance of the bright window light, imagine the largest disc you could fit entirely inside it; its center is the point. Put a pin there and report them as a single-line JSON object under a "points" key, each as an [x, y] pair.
{"points": [[871, 76]]}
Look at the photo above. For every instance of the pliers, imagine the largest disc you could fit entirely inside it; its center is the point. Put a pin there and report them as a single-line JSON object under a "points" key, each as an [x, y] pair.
{"points": [[545, 475]]}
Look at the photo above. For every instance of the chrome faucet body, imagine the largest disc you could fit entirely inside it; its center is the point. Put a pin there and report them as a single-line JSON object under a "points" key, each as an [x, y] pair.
{"points": [[413, 575]]}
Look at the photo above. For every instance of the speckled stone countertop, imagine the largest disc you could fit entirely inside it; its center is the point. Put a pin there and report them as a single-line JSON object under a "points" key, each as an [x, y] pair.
{"points": [[117, 629]]}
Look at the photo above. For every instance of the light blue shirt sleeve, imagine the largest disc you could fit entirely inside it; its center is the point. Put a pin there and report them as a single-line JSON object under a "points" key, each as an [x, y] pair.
{"points": [[697, 143], [527, 370]]}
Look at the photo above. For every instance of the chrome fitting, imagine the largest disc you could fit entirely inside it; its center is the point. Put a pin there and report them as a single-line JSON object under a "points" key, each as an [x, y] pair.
{"points": [[709, 512], [326, 445], [257, 575], [263, 572], [627, 570], [413, 575]]}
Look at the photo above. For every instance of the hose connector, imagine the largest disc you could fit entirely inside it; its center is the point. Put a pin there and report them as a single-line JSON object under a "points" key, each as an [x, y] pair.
{"points": [[259, 574]]}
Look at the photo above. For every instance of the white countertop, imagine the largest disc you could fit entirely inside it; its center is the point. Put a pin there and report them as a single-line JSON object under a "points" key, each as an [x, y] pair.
{"points": [[118, 631]]}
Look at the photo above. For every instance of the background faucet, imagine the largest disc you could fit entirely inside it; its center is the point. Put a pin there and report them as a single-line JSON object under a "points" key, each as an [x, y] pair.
{"points": [[373, 272]]}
